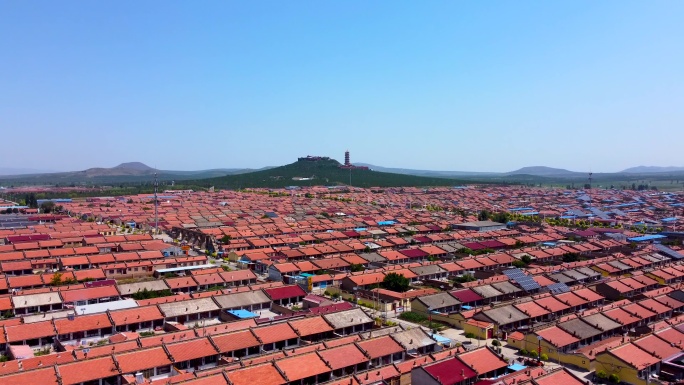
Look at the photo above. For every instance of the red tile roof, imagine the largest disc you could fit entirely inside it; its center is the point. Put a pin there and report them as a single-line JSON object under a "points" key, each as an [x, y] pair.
{"points": [[190, 350], [142, 359], [343, 356], [88, 370], [266, 373], [135, 315], [310, 326], [274, 333], [284, 292], [558, 377], [235, 341], [301, 367], [45, 376], [451, 371], [465, 295], [634, 356], [29, 331], [557, 337], [483, 360], [380, 347], [82, 323]]}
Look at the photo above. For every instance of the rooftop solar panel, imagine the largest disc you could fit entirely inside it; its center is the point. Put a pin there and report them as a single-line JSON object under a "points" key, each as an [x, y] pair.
{"points": [[558, 288], [668, 251], [529, 285]]}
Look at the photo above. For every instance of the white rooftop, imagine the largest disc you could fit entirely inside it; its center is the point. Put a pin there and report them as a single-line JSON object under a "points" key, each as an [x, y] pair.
{"points": [[104, 306]]}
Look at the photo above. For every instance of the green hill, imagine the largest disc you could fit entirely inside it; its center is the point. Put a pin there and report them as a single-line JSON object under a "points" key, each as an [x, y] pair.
{"points": [[324, 172]]}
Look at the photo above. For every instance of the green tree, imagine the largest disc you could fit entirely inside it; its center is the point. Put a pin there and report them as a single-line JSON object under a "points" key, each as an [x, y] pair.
{"points": [[356, 267], [225, 239], [396, 282], [464, 278], [56, 279], [519, 264], [483, 215], [526, 259], [31, 201], [412, 316], [501, 217], [47, 207]]}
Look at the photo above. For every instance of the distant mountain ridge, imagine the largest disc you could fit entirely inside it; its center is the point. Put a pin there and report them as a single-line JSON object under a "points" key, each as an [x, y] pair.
{"points": [[135, 166], [651, 169], [326, 172], [129, 168], [543, 171], [532, 170], [322, 171], [22, 171], [124, 172], [409, 171]]}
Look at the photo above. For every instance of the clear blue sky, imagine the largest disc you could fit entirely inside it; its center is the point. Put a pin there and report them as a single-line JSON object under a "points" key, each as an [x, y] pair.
{"points": [[444, 85]]}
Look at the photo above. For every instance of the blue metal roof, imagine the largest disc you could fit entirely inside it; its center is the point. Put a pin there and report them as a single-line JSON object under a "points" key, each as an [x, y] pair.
{"points": [[242, 314], [645, 238], [56, 200], [669, 252], [440, 339], [521, 209], [625, 205], [517, 367]]}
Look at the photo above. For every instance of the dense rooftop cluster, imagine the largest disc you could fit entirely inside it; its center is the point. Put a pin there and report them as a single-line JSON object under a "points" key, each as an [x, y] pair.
{"points": [[250, 285]]}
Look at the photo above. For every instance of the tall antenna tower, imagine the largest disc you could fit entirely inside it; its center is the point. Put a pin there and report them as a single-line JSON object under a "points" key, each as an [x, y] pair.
{"points": [[156, 217]]}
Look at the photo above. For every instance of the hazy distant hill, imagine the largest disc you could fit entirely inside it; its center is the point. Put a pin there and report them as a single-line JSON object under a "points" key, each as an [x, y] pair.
{"points": [[651, 169], [134, 166], [125, 172], [22, 171], [321, 172], [544, 171], [327, 172], [131, 168], [409, 171], [531, 171]]}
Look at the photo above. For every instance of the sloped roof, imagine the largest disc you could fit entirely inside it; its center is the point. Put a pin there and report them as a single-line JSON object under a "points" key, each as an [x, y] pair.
{"points": [[347, 318], [243, 299]]}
